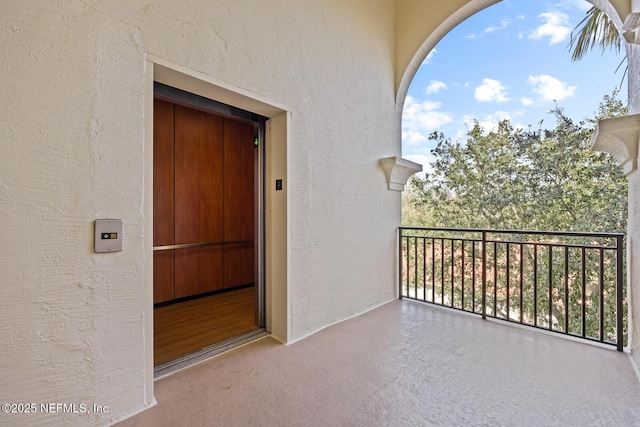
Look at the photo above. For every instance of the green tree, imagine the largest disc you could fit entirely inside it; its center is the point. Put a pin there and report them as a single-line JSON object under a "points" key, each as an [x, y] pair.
{"points": [[523, 179]]}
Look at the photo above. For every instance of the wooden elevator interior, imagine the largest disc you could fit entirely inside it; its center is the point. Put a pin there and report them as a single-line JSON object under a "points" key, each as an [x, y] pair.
{"points": [[204, 229]]}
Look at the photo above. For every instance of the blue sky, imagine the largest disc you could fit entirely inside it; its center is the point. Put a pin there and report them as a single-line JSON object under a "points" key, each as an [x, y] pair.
{"points": [[512, 61]]}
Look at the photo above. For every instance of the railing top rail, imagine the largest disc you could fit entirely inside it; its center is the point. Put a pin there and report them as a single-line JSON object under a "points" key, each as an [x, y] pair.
{"points": [[531, 232]]}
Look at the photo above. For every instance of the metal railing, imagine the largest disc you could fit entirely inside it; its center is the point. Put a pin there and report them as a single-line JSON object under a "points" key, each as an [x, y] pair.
{"points": [[565, 282]]}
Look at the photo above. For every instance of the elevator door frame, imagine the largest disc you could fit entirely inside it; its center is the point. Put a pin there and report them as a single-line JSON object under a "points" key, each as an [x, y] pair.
{"points": [[190, 100]]}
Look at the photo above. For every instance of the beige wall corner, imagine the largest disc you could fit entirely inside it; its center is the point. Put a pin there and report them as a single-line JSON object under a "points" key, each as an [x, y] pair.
{"points": [[278, 300]]}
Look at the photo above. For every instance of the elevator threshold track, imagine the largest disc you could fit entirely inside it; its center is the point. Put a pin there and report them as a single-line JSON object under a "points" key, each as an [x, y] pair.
{"points": [[174, 365]]}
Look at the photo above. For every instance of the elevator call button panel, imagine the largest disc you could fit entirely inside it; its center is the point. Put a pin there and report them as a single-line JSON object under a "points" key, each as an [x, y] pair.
{"points": [[108, 235]]}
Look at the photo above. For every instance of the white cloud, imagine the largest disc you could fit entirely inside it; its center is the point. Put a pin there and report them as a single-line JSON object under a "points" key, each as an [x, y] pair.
{"points": [[429, 56], [556, 28], [435, 86], [575, 4], [412, 138], [503, 24], [550, 88], [526, 101], [421, 118], [491, 91]]}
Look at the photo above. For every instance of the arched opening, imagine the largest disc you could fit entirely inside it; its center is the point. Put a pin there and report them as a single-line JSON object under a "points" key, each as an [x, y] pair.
{"points": [[503, 100]]}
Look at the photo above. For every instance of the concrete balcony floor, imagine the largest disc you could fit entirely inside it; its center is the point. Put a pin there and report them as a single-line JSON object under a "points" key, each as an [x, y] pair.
{"points": [[405, 364]]}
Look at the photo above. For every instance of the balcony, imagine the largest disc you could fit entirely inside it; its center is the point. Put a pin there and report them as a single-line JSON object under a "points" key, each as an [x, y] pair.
{"points": [[406, 363], [530, 340]]}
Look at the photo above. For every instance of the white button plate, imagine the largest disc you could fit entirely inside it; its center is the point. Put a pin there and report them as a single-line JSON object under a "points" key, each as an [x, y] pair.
{"points": [[108, 235]]}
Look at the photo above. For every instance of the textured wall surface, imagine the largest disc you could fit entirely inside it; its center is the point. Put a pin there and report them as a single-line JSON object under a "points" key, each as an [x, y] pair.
{"points": [[72, 79], [633, 227], [72, 135], [633, 279]]}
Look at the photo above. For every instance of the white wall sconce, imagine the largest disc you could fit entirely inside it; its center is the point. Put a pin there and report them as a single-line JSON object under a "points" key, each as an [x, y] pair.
{"points": [[619, 136], [398, 171]]}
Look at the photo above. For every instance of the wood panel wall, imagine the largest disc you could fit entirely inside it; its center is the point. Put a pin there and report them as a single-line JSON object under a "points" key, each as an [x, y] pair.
{"points": [[204, 192], [239, 196]]}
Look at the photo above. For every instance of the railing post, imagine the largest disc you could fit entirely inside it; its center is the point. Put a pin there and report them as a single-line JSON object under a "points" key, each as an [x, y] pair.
{"points": [[400, 264], [619, 293], [484, 274]]}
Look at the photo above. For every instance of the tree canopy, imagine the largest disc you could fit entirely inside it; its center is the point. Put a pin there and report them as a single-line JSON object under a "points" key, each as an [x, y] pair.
{"points": [[511, 178]]}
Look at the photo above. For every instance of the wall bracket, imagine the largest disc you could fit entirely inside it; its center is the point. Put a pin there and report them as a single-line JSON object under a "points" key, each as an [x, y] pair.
{"points": [[398, 171], [619, 136]]}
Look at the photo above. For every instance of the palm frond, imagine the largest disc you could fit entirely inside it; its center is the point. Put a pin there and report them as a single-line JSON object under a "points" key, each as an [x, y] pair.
{"points": [[596, 29]]}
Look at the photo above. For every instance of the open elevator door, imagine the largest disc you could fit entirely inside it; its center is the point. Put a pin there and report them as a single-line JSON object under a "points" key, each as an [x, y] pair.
{"points": [[208, 234]]}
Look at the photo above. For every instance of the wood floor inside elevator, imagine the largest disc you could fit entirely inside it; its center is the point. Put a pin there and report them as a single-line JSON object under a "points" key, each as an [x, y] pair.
{"points": [[189, 326]]}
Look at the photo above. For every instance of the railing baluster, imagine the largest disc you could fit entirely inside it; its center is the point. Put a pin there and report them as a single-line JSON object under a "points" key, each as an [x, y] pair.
{"points": [[442, 271], [584, 294], [433, 270], [550, 287], [408, 264], [473, 276], [462, 272], [521, 283], [495, 279], [484, 274], [566, 289], [601, 284], [424, 269], [453, 262], [535, 284], [415, 268], [508, 282]]}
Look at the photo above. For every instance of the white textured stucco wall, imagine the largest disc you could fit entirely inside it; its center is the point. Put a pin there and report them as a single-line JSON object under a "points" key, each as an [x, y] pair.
{"points": [[72, 136], [633, 227], [72, 79]]}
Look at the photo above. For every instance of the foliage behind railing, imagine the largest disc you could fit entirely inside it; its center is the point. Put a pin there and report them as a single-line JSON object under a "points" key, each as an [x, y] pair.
{"points": [[571, 283]]}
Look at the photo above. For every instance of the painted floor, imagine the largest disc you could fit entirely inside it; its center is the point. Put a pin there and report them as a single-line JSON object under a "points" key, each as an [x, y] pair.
{"points": [[405, 364]]}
